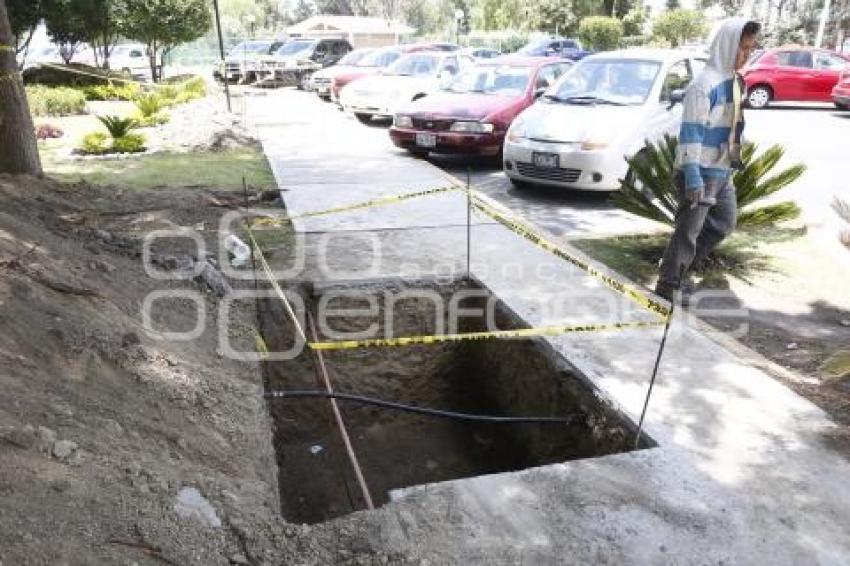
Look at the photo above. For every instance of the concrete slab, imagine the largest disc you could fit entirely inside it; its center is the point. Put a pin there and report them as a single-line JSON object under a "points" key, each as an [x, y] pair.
{"points": [[741, 474]]}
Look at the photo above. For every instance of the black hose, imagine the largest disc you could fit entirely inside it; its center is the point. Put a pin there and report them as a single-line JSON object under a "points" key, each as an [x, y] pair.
{"points": [[301, 394]]}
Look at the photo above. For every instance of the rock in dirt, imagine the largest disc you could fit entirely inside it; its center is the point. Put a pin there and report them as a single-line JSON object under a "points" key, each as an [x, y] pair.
{"points": [[63, 449], [46, 439], [190, 504], [238, 559], [845, 322], [792, 346], [23, 437]]}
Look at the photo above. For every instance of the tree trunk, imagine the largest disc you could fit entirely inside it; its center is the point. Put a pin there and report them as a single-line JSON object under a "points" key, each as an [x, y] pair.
{"points": [[18, 150], [152, 60]]}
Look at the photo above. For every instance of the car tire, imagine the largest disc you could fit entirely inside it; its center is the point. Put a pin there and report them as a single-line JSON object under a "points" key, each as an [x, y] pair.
{"points": [[841, 106], [759, 96], [520, 185], [418, 153], [126, 71], [364, 119]]}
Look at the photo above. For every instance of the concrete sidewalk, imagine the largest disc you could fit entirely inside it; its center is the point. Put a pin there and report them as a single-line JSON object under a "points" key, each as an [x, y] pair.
{"points": [[741, 474]]}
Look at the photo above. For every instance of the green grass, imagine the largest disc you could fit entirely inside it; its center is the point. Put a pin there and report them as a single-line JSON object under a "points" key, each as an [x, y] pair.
{"points": [[741, 256], [209, 170]]}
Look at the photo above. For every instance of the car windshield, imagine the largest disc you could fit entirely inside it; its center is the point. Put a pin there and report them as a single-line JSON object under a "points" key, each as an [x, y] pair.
{"points": [[380, 58], [502, 80], [606, 81], [250, 47], [293, 47], [535, 47], [354, 56], [415, 65]]}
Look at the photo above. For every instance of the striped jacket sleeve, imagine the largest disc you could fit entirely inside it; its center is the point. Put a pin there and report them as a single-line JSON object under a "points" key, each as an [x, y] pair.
{"points": [[695, 112]]}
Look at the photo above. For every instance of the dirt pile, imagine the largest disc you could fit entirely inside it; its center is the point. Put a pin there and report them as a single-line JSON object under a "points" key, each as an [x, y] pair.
{"points": [[118, 446]]}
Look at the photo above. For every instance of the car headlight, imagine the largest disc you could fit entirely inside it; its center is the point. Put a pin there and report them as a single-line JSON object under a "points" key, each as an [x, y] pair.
{"points": [[402, 121], [516, 132], [472, 127], [593, 145]]}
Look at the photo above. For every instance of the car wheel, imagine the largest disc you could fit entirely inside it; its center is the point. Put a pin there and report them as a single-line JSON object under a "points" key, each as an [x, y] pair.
{"points": [[842, 106], [364, 118], [126, 71], [759, 96], [520, 185], [418, 153]]}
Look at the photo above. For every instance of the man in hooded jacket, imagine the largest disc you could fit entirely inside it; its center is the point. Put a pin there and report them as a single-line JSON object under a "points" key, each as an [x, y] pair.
{"points": [[709, 149]]}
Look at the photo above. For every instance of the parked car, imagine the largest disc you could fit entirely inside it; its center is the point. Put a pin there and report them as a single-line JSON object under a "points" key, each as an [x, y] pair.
{"points": [[798, 74], [45, 54], [244, 60], [412, 77], [555, 47], [841, 92], [379, 60], [481, 53], [321, 80], [298, 57], [472, 114], [602, 109], [131, 58]]}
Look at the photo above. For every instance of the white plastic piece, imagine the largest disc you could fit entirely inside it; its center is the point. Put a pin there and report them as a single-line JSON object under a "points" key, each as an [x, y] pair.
{"points": [[238, 249]]}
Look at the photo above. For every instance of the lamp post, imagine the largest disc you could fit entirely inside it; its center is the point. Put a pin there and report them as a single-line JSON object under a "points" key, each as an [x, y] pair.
{"points": [[458, 19]]}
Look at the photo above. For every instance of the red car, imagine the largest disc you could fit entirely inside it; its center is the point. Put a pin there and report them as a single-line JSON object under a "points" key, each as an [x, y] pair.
{"points": [[472, 114], [379, 60], [841, 92], [799, 74]]}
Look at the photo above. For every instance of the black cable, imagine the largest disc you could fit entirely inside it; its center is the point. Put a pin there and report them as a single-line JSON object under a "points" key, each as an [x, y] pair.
{"points": [[301, 394]]}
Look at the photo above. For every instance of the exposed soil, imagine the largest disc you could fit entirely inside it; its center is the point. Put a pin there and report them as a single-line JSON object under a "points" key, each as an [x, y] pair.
{"points": [[101, 423], [399, 449]]}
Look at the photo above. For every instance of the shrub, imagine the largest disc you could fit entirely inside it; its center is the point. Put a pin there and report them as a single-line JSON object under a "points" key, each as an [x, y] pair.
{"points": [[149, 104], [47, 131], [649, 189], [129, 143], [600, 33], [117, 126], [633, 41], [111, 91], [157, 119], [59, 101], [94, 143]]}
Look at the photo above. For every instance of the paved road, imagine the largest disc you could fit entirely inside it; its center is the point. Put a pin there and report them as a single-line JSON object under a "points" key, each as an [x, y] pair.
{"points": [[816, 135]]}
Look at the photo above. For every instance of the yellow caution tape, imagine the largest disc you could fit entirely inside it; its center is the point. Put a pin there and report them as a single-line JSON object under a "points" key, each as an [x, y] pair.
{"points": [[381, 201], [493, 334], [260, 344], [428, 339], [519, 228]]}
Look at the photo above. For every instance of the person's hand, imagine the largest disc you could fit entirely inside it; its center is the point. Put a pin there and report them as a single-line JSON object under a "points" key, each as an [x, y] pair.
{"points": [[693, 196]]}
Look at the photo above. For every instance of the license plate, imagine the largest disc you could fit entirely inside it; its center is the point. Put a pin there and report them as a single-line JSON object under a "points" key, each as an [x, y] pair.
{"points": [[323, 90], [426, 140], [548, 160]]}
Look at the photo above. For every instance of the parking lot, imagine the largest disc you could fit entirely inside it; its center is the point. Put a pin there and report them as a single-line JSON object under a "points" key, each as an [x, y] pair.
{"points": [[810, 133]]}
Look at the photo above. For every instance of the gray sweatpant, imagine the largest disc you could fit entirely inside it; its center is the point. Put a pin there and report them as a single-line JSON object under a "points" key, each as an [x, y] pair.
{"points": [[699, 229]]}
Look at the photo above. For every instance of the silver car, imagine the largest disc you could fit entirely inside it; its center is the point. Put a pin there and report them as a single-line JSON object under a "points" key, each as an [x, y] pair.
{"points": [[603, 109]]}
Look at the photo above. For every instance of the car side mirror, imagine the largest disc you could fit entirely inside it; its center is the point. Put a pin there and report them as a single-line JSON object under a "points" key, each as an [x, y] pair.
{"points": [[676, 97]]}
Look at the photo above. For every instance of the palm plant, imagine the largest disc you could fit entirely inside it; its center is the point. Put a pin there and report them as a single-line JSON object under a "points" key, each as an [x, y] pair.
{"points": [[649, 189], [118, 127], [149, 104], [837, 366]]}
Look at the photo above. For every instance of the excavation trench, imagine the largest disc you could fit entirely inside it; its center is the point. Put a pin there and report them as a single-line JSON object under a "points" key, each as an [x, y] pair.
{"points": [[522, 377]]}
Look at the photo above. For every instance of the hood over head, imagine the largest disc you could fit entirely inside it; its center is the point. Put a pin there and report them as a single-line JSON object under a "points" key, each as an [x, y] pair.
{"points": [[724, 45]]}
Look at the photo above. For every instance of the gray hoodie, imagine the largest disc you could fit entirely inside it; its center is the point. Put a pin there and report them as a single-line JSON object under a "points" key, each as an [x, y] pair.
{"points": [[704, 154]]}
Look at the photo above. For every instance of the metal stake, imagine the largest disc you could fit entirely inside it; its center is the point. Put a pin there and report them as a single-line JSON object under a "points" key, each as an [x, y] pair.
{"points": [[468, 224]]}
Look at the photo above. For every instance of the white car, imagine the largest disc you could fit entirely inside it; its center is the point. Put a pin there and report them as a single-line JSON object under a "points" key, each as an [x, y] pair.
{"points": [[410, 78], [131, 59], [321, 80], [603, 109]]}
